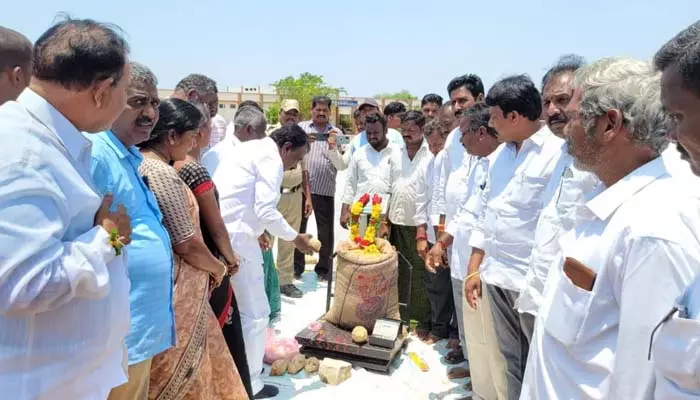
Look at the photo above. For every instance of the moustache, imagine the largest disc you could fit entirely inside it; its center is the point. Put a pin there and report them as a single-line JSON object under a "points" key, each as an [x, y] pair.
{"points": [[557, 119], [144, 121]]}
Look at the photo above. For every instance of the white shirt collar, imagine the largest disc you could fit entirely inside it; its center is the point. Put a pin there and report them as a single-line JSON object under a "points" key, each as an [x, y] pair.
{"points": [[48, 115], [605, 204]]}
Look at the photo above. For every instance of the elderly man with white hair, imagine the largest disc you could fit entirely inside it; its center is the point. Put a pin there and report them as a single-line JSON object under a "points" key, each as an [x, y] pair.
{"points": [[632, 251]]}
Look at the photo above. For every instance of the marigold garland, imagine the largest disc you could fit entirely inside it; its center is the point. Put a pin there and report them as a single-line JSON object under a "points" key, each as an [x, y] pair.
{"points": [[368, 242]]}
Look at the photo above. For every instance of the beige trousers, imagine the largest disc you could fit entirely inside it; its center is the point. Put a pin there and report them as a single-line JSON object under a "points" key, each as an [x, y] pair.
{"points": [[290, 207], [486, 363], [137, 386]]}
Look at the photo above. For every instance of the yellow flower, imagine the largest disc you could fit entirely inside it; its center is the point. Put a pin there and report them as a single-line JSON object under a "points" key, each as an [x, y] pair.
{"points": [[372, 249], [356, 208], [354, 231], [376, 210]]}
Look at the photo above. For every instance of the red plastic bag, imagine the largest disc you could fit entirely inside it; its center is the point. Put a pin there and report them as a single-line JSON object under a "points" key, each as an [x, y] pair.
{"points": [[277, 348]]}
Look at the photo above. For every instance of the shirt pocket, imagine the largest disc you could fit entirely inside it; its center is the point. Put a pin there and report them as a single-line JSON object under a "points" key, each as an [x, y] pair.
{"points": [[527, 192], [676, 355], [569, 308]]}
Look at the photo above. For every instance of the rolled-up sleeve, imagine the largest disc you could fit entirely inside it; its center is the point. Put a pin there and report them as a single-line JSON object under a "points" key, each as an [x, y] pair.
{"points": [[267, 195], [40, 271]]}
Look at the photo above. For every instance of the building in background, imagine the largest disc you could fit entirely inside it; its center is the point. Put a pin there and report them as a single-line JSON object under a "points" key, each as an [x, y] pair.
{"points": [[265, 96]]}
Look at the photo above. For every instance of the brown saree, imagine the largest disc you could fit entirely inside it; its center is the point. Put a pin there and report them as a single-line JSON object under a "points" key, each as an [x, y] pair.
{"points": [[200, 366]]}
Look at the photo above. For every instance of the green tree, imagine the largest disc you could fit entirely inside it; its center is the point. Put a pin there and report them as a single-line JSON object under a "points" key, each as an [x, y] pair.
{"points": [[272, 113], [404, 95], [303, 89]]}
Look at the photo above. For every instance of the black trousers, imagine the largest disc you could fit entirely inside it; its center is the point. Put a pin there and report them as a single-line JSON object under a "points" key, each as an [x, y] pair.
{"points": [[233, 333], [442, 305], [324, 210]]}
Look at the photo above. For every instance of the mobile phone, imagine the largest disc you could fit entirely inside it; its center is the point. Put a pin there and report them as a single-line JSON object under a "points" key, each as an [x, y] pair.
{"points": [[342, 139]]}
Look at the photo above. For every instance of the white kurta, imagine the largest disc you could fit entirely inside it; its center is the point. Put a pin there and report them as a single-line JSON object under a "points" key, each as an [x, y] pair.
{"points": [[640, 237], [248, 177]]}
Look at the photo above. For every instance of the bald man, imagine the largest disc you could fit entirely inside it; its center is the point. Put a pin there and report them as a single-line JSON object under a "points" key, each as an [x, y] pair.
{"points": [[15, 64]]}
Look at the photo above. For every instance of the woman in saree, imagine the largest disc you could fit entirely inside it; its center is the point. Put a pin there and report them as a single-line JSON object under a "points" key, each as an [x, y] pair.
{"points": [[199, 366], [223, 300]]}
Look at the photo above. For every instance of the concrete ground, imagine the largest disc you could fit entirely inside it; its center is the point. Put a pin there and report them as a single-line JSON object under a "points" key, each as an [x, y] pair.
{"points": [[405, 380]]}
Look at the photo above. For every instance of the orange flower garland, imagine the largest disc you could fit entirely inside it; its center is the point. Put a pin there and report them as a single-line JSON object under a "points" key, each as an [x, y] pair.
{"points": [[368, 242]]}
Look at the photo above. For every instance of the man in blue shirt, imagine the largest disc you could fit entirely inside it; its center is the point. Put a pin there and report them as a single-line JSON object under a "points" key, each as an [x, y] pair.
{"points": [[115, 163]]}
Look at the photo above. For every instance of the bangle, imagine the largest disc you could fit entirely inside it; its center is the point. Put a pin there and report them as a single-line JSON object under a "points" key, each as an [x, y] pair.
{"points": [[421, 237], [443, 244], [441, 228], [473, 274], [115, 242]]}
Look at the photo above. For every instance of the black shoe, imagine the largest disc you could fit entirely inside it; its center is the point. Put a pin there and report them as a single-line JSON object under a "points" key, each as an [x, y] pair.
{"points": [[297, 275], [268, 391], [322, 277], [291, 291]]}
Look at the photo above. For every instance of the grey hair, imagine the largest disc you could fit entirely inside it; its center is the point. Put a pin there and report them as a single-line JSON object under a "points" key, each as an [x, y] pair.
{"points": [[201, 83], [631, 87], [565, 63], [142, 74], [249, 116]]}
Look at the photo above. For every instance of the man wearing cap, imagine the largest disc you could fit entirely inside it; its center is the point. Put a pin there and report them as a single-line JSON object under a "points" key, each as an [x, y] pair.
{"points": [[294, 182]]}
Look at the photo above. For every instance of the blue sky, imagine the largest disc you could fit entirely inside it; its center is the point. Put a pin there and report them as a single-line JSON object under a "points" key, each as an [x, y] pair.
{"points": [[367, 46]]}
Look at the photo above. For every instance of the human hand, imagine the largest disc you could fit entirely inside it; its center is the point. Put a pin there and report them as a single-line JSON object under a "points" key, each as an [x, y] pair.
{"points": [[311, 137], [303, 243], [384, 230], [308, 207], [264, 242], [331, 139], [233, 265], [344, 218], [472, 289], [422, 248], [434, 258], [117, 221]]}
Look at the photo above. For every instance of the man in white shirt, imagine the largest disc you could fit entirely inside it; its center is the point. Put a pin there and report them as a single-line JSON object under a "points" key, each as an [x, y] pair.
{"points": [[248, 177], [412, 161], [373, 169], [15, 64], [392, 113], [633, 250], [564, 193], [480, 141], [367, 107], [294, 204], [464, 91], [502, 239], [64, 289], [677, 338], [430, 105]]}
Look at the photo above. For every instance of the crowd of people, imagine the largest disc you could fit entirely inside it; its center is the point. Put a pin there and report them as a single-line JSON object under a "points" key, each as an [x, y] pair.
{"points": [[553, 232]]}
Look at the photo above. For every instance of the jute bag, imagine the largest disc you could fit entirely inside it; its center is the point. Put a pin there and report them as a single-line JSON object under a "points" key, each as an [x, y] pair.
{"points": [[366, 286]]}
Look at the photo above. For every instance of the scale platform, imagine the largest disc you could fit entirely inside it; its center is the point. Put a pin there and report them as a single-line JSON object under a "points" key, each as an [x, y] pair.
{"points": [[331, 341]]}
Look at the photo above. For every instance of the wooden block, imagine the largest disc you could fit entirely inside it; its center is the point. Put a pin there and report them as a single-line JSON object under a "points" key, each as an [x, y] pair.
{"points": [[334, 372]]}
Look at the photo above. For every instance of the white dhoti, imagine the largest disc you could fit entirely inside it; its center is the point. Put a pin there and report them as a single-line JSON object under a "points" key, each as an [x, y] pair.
{"points": [[249, 287]]}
